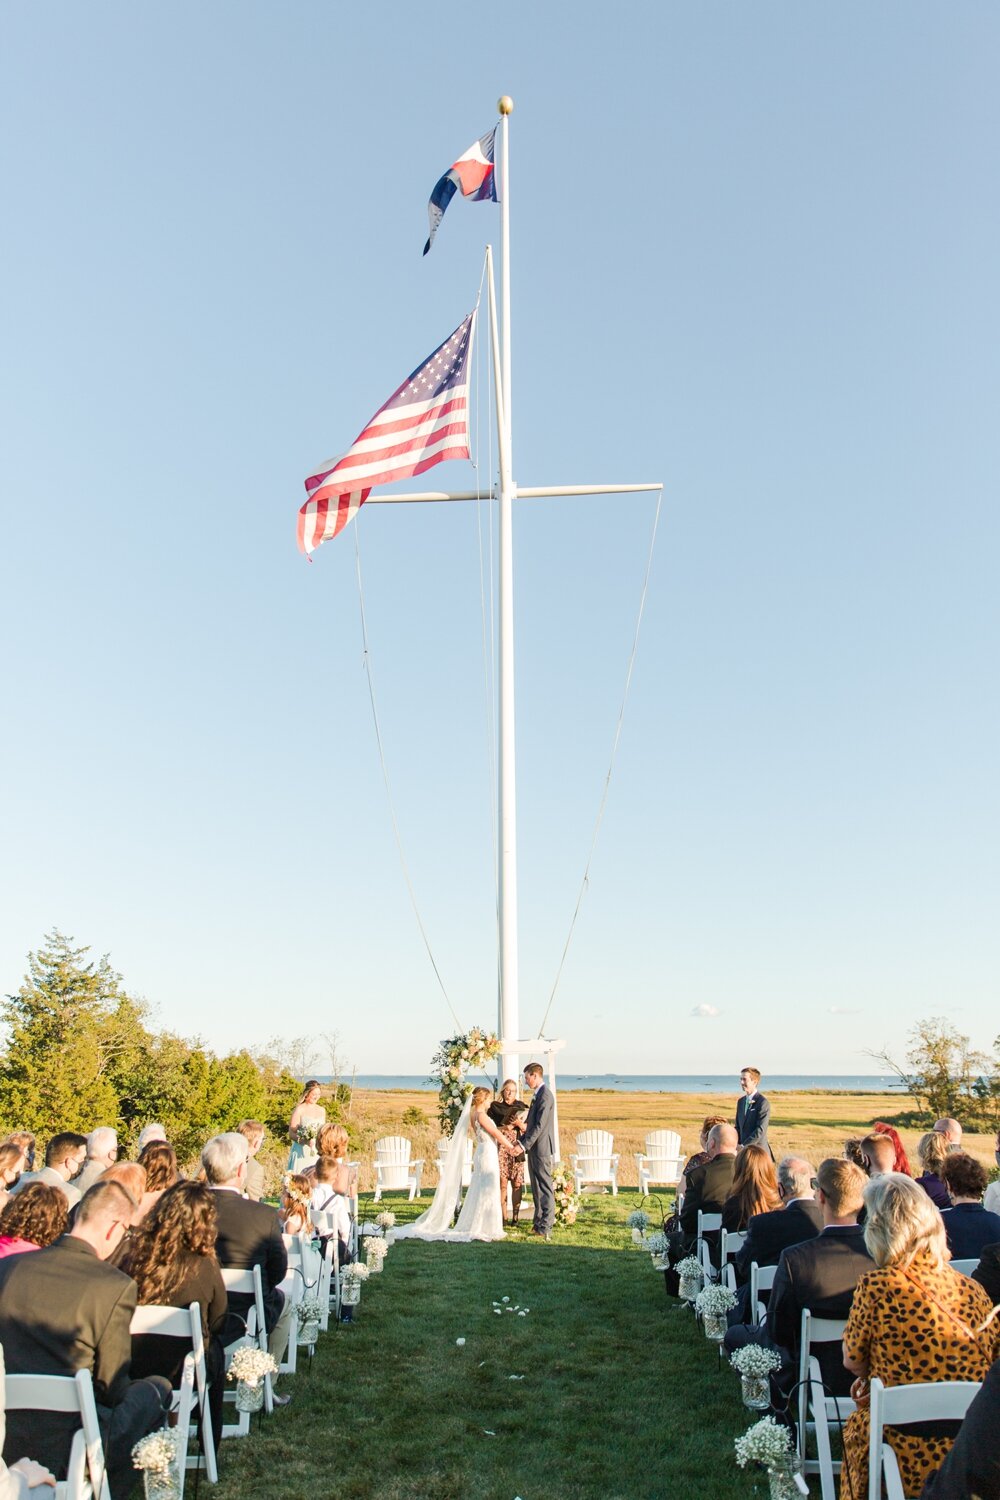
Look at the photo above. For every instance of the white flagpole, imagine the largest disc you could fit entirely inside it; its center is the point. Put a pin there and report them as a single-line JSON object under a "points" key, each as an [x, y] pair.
{"points": [[509, 1025]]}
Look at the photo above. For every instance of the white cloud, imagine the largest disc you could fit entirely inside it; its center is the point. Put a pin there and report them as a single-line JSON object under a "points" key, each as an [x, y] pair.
{"points": [[706, 1011], [843, 1010]]}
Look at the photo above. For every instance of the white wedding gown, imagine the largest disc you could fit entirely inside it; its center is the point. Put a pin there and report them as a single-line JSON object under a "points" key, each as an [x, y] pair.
{"points": [[481, 1217]]}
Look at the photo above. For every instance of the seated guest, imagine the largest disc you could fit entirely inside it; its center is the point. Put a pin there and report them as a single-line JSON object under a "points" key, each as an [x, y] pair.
{"points": [[967, 1224], [709, 1185], [326, 1200], [754, 1189], [12, 1164], [26, 1141], [331, 1141], [249, 1234], [102, 1153], [913, 1320], [65, 1309], [952, 1132], [253, 1133], [132, 1178], [296, 1190], [821, 1274], [151, 1132], [991, 1202], [879, 1154], [902, 1161], [987, 1273], [854, 1153], [699, 1158], [33, 1219], [932, 1149], [799, 1218], [973, 1465], [25, 1478], [159, 1162], [64, 1156], [171, 1259]]}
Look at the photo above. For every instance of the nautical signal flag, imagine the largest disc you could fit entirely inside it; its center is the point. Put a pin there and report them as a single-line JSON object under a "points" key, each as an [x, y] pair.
{"points": [[473, 173], [424, 422]]}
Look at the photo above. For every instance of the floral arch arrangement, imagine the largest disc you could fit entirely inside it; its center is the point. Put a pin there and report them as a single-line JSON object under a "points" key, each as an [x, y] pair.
{"points": [[453, 1058]]}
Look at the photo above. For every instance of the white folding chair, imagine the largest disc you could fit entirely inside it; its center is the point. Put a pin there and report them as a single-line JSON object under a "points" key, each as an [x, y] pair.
{"points": [[393, 1168], [892, 1406], [595, 1160], [185, 1323], [329, 1224], [966, 1267], [707, 1224], [731, 1242], [818, 1412], [661, 1162], [86, 1477], [248, 1283], [761, 1280]]}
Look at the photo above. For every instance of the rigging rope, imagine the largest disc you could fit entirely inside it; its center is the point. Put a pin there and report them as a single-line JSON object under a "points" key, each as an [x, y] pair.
{"points": [[385, 775], [584, 883]]}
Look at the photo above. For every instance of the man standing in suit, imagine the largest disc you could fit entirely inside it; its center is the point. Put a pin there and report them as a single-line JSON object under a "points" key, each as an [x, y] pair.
{"points": [[539, 1145], [65, 1309], [752, 1111], [821, 1274], [249, 1235]]}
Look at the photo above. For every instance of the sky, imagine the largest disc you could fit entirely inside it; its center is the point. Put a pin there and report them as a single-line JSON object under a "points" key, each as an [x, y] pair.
{"points": [[754, 257]]}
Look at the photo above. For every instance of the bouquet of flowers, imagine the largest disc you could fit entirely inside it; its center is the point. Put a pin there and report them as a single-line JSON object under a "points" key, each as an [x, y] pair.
{"points": [[304, 1135], [386, 1220], [655, 1243], [689, 1266], [754, 1359], [250, 1365], [764, 1443], [453, 1057], [376, 1250], [356, 1271], [310, 1310], [715, 1301], [690, 1274], [157, 1451], [637, 1220], [566, 1196]]}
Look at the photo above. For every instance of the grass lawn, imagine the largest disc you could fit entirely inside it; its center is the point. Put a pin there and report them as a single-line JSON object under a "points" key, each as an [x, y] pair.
{"points": [[622, 1397]]}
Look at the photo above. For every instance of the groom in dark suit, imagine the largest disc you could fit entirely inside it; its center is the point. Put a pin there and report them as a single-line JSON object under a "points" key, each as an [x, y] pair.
{"points": [[752, 1111], [539, 1143]]}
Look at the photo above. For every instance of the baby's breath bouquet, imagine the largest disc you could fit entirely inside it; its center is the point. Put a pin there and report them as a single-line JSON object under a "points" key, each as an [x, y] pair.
{"points": [[755, 1364], [376, 1250], [156, 1456], [690, 1276], [638, 1222], [351, 1278], [310, 1312], [354, 1272], [712, 1305], [764, 1443], [386, 1220], [250, 1365]]}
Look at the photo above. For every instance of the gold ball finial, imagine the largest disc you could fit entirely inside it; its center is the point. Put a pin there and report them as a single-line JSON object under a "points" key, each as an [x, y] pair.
{"points": [[505, 104]]}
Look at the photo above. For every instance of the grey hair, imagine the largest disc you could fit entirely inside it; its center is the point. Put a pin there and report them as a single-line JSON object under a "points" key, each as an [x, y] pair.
{"points": [[152, 1132], [795, 1177], [223, 1156], [902, 1221], [100, 1140]]}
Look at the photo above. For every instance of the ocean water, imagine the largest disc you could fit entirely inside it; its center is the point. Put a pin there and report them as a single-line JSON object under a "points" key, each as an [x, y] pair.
{"points": [[663, 1083]]}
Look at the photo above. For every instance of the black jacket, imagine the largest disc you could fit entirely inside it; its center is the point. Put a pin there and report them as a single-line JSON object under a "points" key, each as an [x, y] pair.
{"points": [[820, 1275], [708, 1187], [769, 1234], [970, 1229], [250, 1235], [987, 1273]]}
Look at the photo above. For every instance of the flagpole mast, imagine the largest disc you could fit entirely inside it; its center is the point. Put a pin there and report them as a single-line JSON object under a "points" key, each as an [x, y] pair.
{"points": [[508, 1022]]}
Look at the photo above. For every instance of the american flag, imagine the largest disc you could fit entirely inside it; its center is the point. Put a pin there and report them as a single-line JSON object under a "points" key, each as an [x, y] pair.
{"points": [[423, 422]]}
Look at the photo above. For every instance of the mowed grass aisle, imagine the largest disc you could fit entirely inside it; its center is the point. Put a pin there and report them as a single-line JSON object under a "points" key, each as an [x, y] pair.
{"points": [[622, 1396]]}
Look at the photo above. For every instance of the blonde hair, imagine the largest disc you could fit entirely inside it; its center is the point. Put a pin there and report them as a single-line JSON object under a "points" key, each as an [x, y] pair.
{"points": [[478, 1095], [932, 1150], [331, 1139], [902, 1222]]}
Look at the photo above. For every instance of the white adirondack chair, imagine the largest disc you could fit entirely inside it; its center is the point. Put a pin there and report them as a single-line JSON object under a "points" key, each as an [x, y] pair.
{"points": [[893, 1406], [661, 1162], [443, 1145], [595, 1160], [393, 1167]]}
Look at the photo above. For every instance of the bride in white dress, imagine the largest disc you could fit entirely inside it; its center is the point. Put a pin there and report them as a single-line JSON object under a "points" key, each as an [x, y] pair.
{"points": [[481, 1217]]}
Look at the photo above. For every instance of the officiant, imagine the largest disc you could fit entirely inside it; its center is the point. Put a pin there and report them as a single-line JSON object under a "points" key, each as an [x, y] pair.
{"points": [[508, 1115]]}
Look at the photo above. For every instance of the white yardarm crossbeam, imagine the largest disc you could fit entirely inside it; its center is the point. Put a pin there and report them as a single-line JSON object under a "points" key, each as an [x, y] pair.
{"points": [[506, 493]]}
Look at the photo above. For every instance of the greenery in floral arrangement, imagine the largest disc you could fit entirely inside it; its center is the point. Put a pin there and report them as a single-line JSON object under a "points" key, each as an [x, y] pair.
{"points": [[451, 1061], [157, 1451], [305, 1135], [566, 1196], [766, 1442], [638, 1220], [715, 1300], [755, 1360]]}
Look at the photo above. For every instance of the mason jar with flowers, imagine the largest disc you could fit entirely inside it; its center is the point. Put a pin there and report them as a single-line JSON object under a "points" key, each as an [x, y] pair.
{"points": [[376, 1251], [248, 1367], [310, 1313], [638, 1222], [755, 1365], [156, 1455], [770, 1445], [657, 1245], [690, 1277], [352, 1278], [386, 1222], [712, 1304]]}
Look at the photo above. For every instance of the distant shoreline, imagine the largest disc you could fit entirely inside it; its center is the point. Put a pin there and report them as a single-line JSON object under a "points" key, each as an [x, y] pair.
{"points": [[636, 1083]]}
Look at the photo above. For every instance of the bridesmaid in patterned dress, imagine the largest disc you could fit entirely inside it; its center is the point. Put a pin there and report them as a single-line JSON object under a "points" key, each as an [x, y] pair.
{"points": [[508, 1114]]}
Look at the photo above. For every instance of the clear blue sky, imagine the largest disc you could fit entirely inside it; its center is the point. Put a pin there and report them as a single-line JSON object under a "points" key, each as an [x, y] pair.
{"points": [[755, 256]]}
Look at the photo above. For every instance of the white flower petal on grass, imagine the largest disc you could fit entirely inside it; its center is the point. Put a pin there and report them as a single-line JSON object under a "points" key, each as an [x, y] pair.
{"points": [[460, 1342], [488, 1432], [504, 1299], [523, 1314], [515, 1377]]}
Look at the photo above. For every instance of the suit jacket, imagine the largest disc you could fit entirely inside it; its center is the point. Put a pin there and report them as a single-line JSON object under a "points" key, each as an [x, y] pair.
{"points": [[51, 1178], [255, 1180], [820, 1274], [539, 1128], [987, 1273], [973, 1465], [250, 1235], [752, 1116], [708, 1187], [62, 1310], [769, 1234], [970, 1229]]}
